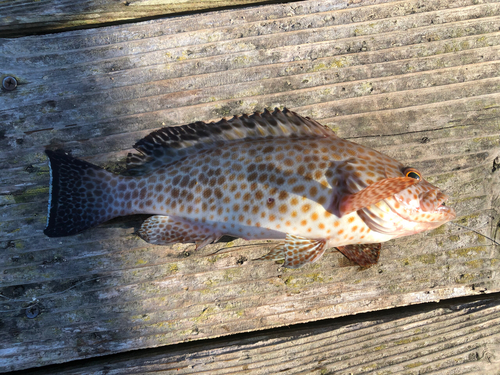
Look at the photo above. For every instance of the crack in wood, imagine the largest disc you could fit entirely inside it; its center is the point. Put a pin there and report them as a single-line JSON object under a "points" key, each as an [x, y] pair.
{"points": [[424, 140]]}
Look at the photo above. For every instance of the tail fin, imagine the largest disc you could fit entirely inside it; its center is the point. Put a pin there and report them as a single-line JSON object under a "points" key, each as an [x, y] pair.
{"points": [[78, 199]]}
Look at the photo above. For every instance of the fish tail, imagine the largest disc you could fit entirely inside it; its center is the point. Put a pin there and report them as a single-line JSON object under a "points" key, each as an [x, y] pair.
{"points": [[78, 199]]}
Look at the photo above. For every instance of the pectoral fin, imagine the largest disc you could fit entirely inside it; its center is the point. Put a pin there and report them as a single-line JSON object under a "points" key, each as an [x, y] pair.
{"points": [[363, 254], [277, 253], [297, 251], [373, 194]]}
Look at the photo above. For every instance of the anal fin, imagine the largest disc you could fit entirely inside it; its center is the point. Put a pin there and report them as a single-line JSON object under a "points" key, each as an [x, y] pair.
{"points": [[165, 230], [365, 255], [297, 251]]}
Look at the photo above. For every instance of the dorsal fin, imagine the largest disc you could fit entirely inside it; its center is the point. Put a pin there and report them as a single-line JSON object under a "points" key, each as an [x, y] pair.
{"points": [[165, 145]]}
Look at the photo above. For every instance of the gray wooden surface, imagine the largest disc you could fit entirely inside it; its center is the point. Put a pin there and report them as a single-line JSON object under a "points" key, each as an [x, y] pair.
{"points": [[418, 81], [25, 17], [452, 337]]}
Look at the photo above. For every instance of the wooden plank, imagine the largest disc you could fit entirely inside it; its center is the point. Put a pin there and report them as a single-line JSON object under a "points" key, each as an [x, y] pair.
{"points": [[419, 83], [452, 337], [24, 17]]}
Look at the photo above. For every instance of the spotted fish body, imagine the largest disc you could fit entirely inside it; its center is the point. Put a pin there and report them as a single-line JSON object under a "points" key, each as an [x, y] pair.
{"points": [[275, 176]]}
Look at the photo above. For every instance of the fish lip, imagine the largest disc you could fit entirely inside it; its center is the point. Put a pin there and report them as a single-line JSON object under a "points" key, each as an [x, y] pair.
{"points": [[445, 210], [440, 205], [445, 213]]}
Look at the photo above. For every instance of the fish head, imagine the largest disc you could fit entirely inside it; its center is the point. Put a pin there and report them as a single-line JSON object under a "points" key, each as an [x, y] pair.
{"points": [[411, 209], [390, 198], [421, 204]]}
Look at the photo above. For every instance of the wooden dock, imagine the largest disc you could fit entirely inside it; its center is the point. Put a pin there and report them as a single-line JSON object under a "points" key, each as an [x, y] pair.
{"points": [[417, 80]]}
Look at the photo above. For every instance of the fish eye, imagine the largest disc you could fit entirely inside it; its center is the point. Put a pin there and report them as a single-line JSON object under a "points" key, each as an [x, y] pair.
{"points": [[412, 173]]}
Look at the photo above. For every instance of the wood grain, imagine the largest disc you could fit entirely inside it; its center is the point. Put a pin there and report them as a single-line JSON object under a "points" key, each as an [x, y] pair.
{"points": [[416, 81], [452, 337], [25, 17]]}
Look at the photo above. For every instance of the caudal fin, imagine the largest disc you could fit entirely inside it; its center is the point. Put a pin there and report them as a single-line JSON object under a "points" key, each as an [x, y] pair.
{"points": [[79, 197]]}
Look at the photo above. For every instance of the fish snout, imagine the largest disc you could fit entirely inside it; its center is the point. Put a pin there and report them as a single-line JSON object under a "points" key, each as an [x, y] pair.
{"points": [[434, 202], [428, 200]]}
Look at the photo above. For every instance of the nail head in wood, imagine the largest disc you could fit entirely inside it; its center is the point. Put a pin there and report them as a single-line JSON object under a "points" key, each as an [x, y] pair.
{"points": [[9, 83]]}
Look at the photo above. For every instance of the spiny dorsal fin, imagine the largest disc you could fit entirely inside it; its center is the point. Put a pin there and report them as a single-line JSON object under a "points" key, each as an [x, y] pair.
{"points": [[165, 145]]}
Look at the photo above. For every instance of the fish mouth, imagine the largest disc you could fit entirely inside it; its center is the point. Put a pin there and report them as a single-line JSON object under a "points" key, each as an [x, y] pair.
{"points": [[431, 208], [430, 201], [441, 207]]}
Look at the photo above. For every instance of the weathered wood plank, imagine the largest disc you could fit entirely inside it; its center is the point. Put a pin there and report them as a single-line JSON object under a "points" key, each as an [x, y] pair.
{"points": [[24, 17], [455, 337], [418, 82]]}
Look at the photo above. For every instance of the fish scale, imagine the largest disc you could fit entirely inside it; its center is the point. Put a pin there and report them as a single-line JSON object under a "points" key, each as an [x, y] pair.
{"points": [[266, 185], [276, 176]]}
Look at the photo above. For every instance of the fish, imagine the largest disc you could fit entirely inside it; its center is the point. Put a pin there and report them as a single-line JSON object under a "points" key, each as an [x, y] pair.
{"points": [[266, 176]]}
